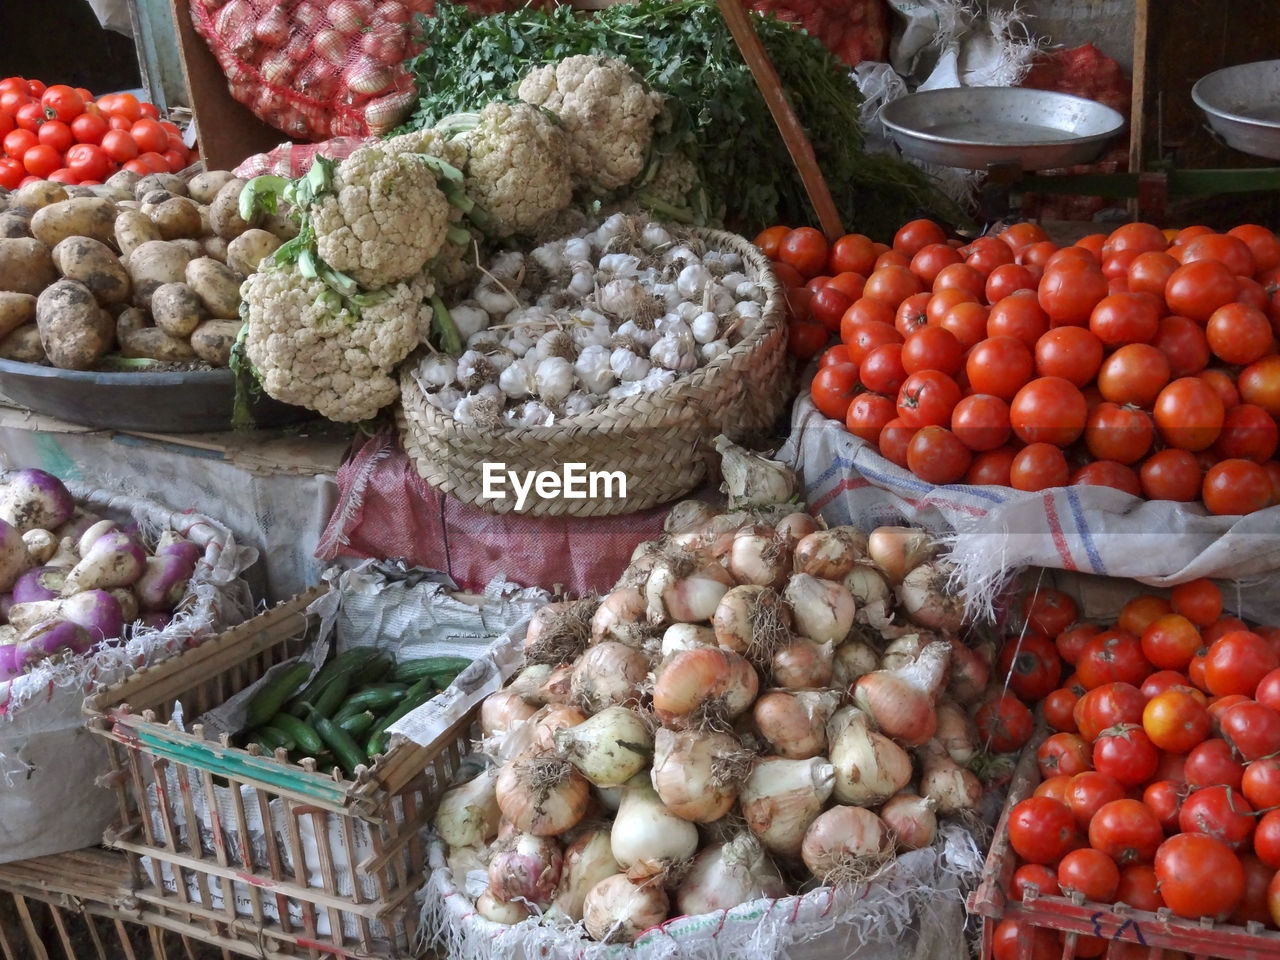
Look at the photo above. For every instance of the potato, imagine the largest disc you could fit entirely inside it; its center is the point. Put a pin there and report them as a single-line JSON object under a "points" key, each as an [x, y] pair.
{"points": [[152, 199], [217, 286], [95, 265], [212, 341], [37, 194], [224, 212], [75, 331], [193, 248], [216, 247], [203, 187], [132, 229], [123, 180], [23, 345], [77, 190], [118, 194], [152, 264], [280, 226], [176, 309], [129, 320], [168, 182], [15, 310], [246, 251], [177, 217], [154, 344], [82, 217], [26, 266], [14, 224]]}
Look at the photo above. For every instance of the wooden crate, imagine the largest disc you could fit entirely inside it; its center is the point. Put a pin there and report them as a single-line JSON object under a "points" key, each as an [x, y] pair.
{"points": [[290, 904]]}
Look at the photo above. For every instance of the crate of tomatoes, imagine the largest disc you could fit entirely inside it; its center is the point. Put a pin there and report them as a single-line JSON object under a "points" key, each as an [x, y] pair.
{"points": [[67, 134], [1108, 405], [1146, 816]]}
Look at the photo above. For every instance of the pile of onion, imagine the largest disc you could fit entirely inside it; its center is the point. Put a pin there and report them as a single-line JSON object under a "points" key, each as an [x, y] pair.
{"points": [[759, 698]]}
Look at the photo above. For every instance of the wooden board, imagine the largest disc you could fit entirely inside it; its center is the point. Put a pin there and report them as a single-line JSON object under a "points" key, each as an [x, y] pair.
{"points": [[227, 131]]}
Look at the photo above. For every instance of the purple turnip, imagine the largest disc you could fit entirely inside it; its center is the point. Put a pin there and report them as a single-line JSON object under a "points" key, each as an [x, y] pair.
{"points": [[80, 521], [41, 545], [92, 533], [164, 583], [33, 498], [95, 610], [127, 600], [13, 555], [39, 583], [113, 560]]}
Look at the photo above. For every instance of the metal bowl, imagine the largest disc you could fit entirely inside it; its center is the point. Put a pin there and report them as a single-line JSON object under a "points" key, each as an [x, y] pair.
{"points": [[193, 401], [1242, 105], [976, 127]]}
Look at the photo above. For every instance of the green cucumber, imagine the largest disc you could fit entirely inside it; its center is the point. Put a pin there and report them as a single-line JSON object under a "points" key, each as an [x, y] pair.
{"points": [[345, 662], [266, 703], [304, 738], [414, 697], [357, 724], [377, 698], [442, 670], [373, 671], [271, 738], [344, 748]]}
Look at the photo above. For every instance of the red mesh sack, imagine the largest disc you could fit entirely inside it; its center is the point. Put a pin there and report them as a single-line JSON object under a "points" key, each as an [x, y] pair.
{"points": [[293, 160], [317, 69], [854, 30]]}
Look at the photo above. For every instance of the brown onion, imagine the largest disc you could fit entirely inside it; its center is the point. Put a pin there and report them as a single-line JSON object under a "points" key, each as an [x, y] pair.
{"points": [[503, 710], [911, 820], [901, 701], [709, 680], [826, 554], [803, 664], [899, 550], [617, 910], [542, 795], [619, 617], [845, 842], [794, 527], [697, 774], [608, 673], [781, 797], [794, 723], [822, 609]]}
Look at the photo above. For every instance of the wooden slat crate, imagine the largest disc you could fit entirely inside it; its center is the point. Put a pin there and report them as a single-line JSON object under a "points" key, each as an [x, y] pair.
{"points": [[289, 893]]}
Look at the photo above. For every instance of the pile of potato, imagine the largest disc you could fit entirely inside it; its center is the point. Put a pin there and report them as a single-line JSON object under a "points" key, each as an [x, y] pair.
{"points": [[145, 267]]}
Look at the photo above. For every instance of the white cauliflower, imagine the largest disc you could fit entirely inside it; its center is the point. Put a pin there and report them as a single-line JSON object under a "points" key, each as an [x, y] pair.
{"points": [[605, 109], [384, 218], [430, 141], [517, 168], [313, 349]]}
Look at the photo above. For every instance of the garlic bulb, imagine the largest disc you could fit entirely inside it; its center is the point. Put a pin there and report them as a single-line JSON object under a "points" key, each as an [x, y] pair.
{"points": [[619, 264], [675, 351], [578, 402], [613, 228], [583, 282], [714, 349], [593, 368], [692, 279], [550, 257], [656, 380], [436, 371], [653, 236], [627, 365], [469, 318], [517, 381], [445, 399], [532, 413], [577, 248], [553, 379], [493, 300], [645, 338], [508, 267], [704, 327], [680, 254]]}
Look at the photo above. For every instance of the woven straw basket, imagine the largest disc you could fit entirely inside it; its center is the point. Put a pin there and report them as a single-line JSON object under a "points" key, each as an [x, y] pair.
{"points": [[658, 440]]}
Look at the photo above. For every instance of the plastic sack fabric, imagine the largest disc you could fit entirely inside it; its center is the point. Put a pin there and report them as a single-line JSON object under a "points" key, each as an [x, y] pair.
{"points": [[293, 160], [993, 532], [48, 760]]}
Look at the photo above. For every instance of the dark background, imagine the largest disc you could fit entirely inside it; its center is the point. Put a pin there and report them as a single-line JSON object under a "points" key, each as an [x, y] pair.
{"points": [[60, 41]]}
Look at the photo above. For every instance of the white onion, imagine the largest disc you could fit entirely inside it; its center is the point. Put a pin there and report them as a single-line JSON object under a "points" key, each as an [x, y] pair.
{"points": [[902, 651], [969, 671], [681, 590], [803, 664], [955, 731], [608, 673], [869, 767], [845, 842], [541, 795], [752, 620], [927, 600], [527, 684], [617, 910], [852, 659], [725, 875], [707, 682], [898, 550], [871, 593], [587, 861], [468, 814], [697, 774], [781, 797], [688, 515], [557, 633], [822, 610], [901, 701], [952, 788], [686, 636], [619, 616], [911, 820], [525, 867], [551, 719], [646, 836], [500, 911], [502, 710], [760, 559], [794, 723], [609, 748]]}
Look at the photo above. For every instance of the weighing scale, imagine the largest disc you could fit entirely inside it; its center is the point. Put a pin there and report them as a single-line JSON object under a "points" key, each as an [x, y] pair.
{"points": [[1012, 132]]}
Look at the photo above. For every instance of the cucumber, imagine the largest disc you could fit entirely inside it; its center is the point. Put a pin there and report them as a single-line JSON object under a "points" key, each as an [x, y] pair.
{"points": [[378, 697], [357, 724], [306, 740], [266, 703], [333, 695], [344, 748], [414, 697], [441, 670], [271, 738], [345, 662], [373, 671]]}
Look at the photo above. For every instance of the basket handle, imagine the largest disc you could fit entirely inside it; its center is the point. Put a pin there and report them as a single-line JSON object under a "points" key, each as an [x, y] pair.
{"points": [[793, 135]]}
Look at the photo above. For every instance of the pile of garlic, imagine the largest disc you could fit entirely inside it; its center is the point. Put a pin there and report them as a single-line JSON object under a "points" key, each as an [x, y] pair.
{"points": [[620, 310]]}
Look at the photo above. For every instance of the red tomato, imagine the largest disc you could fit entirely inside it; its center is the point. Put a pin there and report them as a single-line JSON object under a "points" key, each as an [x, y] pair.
{"points": [[1004, 723], [1073, 639], [932, 348], [1254, 906], [865, 311], [936, 455], [119, 146], [833, 355], [1089, 872], [890, 285], [833, 389], [1126, 830], [1031, 665], [991, 467], [1237, 662], [1000, 366], [1064, 754], [1089, 791], [1039, 466], [1007, 279], [881, 370], [1122, 318], [41, 160], [1139, 612], [854, 253], [1225, 248], [805, 339], [826, 306], [967, 320], [1248, 433], [1184, 344], [1048, 610], [11, 173], [868, 415], [1263, 245], [1048, 410], [863, 338], [30, 116], [18, 142], [1107, 706], [1033, 874], [89, 128], [1164, 799], [1261, 783], [1113, 432], [1015, 941], [963, 277], [1171, 475], [927, 398], [1238, 333], [1220, 813], [1138, 889], [1268, 692], [1197, 289], [1260, 384], [848, 283], [768, 239], [1175, 721], [152, 162], [1107, 473], [1059, 709], [916, 234], [1135, 373], [929, 260], [981, 422], [56, 134], [804, 248], [1135, 237], [1253, 730], [895, 438], [126, 105], [890, 258], [1199, 876], [1210, 763], [1126, 753], [943, 300], [1041, 830], [1170, 641], [987, 253], [88, 162], [62, 103], [1072, 353], [1069, 290], [1222, 383], [1200, 601], [1189, 414], [1235, 487], [1018, 236]]}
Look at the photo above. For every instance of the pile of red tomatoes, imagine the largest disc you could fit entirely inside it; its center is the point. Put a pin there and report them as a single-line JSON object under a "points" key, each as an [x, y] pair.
{"points": [[1143, 359], [63, 133], [1161, 781]]}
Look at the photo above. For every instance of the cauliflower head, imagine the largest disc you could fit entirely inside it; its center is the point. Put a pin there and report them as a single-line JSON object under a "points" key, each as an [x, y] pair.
{"points": [[429, 141], [605, 109], [516, 167], [384, 218], [311, 350]]}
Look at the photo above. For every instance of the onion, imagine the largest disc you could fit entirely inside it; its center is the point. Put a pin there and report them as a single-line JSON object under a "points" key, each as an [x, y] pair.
{"points": [[846, 844], [951, 787], [646, 837], [687, 516], [587, 861], [503, 710], [781, 797], [617, 910], [955, 731], [794, 527], [795, 723], [527, 684], [542, 795], [685, 590], [687, 636], [902, 651], [752, 620], [871, 593], [911, 820], [619, 617], [697, 774], [549, 721], [852, 659], [468, 814], [556, 689], [500, 911], [609, 748], [901, 701], [898, 550], [869, 767], [823, 610], [725, 875], [707, 683], [927, 600], [608, 673], [803, 664], [525, 867], [969, 672], [759, 558], [829, 554], [558, 632]]}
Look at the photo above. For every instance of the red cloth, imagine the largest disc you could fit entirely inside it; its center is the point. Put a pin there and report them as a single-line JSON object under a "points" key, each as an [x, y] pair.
{"points": [[385, 510]]}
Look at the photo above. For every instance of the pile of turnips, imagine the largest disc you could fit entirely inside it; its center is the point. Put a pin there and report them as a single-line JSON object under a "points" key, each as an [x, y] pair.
{"points": [[618, 311], [760, 705], [71, 580]]}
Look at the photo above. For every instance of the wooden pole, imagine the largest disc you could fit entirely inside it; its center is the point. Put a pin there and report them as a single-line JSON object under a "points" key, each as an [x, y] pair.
{"points": [[793, 135]]}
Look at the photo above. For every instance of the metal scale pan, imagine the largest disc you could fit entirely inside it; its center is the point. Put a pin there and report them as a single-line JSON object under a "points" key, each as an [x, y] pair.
{"points": [[1242, 105], [981, 127]]}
